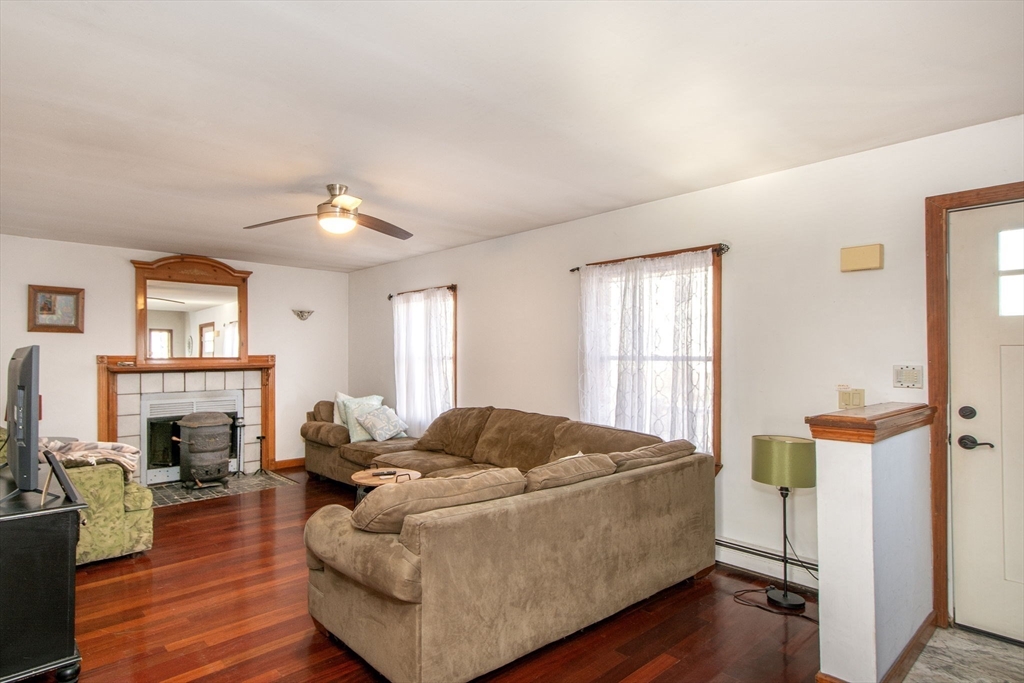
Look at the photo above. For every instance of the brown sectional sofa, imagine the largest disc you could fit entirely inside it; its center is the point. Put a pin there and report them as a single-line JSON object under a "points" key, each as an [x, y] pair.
{"points": [[329, 452], [448, 577]]}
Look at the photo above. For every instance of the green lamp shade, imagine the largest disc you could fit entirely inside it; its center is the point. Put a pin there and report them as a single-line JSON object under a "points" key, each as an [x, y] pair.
{"points": [[783, 461]]}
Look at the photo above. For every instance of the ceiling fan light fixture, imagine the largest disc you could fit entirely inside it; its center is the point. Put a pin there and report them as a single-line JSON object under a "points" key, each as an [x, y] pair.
{"points": [[334, 219]]}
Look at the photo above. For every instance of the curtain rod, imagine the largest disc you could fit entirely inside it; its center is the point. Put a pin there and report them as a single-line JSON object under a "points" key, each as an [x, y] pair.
{"points": [[717, 249], [450, 288]]}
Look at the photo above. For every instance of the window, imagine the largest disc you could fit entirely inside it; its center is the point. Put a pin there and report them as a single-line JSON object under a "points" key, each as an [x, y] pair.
{"points": [[160, 343], [1011, 272], [206, 337], [649, 345], [424, 355]]}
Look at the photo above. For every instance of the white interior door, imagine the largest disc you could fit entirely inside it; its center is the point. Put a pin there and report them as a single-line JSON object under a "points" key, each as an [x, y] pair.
{"points": [[986, 344]]}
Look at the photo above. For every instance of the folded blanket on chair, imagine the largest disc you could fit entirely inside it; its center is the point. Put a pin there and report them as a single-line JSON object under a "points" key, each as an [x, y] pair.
{"points": [[86, 453]]}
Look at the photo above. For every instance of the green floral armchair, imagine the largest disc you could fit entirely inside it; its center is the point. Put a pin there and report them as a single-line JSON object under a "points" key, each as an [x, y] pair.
{"points": [[119, 519]]}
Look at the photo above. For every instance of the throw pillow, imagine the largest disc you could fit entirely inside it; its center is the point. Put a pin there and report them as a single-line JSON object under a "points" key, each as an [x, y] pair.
{"points": [[384, 509], [382, 423], [339, 408], [356, 408], [569, 470]]}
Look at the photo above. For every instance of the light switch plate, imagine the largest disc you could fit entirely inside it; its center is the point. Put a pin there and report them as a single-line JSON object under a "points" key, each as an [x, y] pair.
{"points": [[851, 398], [908, 376]]}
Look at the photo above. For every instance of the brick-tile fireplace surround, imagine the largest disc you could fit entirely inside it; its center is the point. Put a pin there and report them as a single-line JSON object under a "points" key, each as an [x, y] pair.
{"points": [[122, 383]]}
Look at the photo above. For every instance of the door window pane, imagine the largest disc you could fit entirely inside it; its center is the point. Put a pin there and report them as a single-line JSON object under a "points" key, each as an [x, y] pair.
{"points": [[1011, 249], [1011, 295]]}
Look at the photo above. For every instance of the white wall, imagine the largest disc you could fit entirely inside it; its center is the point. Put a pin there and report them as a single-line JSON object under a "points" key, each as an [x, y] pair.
{"points": [[902, 524], [312, 356], [794, 326]]}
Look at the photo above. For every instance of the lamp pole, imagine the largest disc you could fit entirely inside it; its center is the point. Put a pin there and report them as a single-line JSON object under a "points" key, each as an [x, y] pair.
{"points": [[775, 596]]}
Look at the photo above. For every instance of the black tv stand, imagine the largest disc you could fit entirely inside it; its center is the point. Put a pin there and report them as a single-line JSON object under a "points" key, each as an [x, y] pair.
{"points": [[38, 535]]}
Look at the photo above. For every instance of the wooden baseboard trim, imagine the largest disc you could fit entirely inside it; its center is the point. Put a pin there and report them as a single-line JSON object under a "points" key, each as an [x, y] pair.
{"points": [[285, 464], [826, 678], [901, 667]]}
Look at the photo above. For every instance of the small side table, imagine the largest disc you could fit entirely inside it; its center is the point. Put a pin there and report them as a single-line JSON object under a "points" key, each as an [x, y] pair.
{"points": [[365, 480]]}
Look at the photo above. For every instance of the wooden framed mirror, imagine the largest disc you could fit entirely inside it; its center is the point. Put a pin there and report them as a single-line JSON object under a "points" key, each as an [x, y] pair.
{"points": [[190, 310]]}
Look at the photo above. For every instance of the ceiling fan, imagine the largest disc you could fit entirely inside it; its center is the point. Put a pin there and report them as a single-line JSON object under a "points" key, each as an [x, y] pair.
{"points": [[340, 214]]}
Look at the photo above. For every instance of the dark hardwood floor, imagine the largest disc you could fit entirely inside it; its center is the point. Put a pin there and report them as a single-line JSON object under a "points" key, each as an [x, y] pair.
{"points": [[222, 597]]}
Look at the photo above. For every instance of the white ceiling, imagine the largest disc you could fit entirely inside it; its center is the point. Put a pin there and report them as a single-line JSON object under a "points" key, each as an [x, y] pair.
{"points": [[169, 125]]}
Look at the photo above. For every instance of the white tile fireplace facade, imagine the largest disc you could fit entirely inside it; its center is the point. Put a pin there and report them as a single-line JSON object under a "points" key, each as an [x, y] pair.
{"points": [[131, 387]]}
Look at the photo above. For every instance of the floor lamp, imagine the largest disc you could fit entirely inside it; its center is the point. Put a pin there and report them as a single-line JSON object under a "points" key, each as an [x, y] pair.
{"points": [[785, 462]]}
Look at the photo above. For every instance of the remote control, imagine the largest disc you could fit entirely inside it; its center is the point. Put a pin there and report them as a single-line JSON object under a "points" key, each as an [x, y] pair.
{"points": [[384, 473]]}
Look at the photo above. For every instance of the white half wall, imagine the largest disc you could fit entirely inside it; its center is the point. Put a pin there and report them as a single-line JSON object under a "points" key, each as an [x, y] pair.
{"points": [[794, 326], [312, 356]]}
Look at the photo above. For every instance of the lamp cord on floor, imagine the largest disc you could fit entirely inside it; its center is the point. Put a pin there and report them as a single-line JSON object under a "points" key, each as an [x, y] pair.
{"points": [[737, 597]]}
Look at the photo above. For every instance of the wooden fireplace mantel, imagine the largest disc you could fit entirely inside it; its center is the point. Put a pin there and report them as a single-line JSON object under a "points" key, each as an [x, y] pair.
{"points": [[109, 367]]}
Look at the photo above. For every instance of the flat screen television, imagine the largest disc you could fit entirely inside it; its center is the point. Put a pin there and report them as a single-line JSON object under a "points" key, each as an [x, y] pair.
{"points": [[23, 417]]}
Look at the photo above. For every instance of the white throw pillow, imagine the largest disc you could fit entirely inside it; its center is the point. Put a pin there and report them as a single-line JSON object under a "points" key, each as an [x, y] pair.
{"points": [[355, 408], [382, 423], [339, 408]]}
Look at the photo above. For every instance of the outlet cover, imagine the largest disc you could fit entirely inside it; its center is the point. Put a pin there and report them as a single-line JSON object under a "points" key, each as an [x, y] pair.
{"points": [[908, 376], [851, 398]]}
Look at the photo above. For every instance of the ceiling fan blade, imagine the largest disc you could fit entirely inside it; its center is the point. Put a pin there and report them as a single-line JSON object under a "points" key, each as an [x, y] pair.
{"points": [[279, 220], [347, 202], [382, 226]]}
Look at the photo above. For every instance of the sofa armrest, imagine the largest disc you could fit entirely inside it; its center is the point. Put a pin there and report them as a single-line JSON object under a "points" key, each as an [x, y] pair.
{"points": [[326, 433], [137, 497], [378, 561]]}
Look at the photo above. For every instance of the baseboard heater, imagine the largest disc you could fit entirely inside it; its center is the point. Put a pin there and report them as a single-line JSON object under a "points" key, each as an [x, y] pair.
{"points": [[757, 552]]}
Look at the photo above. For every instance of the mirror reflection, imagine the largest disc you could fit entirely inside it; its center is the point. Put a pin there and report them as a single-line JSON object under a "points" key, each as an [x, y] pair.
{"points": [[187, 320]]}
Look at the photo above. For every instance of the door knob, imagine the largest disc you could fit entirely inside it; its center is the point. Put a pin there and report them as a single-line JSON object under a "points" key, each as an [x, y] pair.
{"points": [[969, 443]]}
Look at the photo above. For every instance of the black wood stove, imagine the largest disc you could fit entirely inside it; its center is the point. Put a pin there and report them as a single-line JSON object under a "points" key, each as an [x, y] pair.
{"points": [[205, 449]]}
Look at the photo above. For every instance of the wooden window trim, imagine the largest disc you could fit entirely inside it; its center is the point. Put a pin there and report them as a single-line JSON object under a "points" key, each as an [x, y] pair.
{"points": [[936, 248], [202, 344]]}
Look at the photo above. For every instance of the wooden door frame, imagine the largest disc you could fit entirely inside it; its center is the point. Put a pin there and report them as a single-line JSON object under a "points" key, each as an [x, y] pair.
{"points": [[936, 248]]}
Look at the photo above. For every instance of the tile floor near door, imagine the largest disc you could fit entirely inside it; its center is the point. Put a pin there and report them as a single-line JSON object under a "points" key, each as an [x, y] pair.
{"points": [[957, 656]]}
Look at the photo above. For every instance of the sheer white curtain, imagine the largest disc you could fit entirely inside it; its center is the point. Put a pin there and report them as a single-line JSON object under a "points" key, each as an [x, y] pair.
{"points": [[424, 355], [646, 346]]}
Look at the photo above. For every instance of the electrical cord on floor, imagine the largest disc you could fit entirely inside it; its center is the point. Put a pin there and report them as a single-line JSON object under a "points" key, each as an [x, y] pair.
{"points": [[799, 561], [787, 613]]}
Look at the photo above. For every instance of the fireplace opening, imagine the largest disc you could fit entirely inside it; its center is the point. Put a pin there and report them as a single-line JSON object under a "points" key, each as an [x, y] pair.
{"points": [[163, 456]]}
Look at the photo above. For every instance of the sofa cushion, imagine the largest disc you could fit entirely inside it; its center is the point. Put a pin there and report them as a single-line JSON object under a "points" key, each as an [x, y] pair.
{"points": [[326, 433], [512, 438], [464, 469], [575, 437], [364, 452], [455, 431], [423, 462], [652, 455], [355, 408], [569, 470], [384, 509]]}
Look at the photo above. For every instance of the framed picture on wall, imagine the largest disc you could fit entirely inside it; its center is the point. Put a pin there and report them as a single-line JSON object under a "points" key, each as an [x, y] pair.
{"points": [[56, 309]]}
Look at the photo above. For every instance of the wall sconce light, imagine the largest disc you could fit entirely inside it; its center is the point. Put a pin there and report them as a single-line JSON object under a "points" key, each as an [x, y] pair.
{"points": [[302, 315]]}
